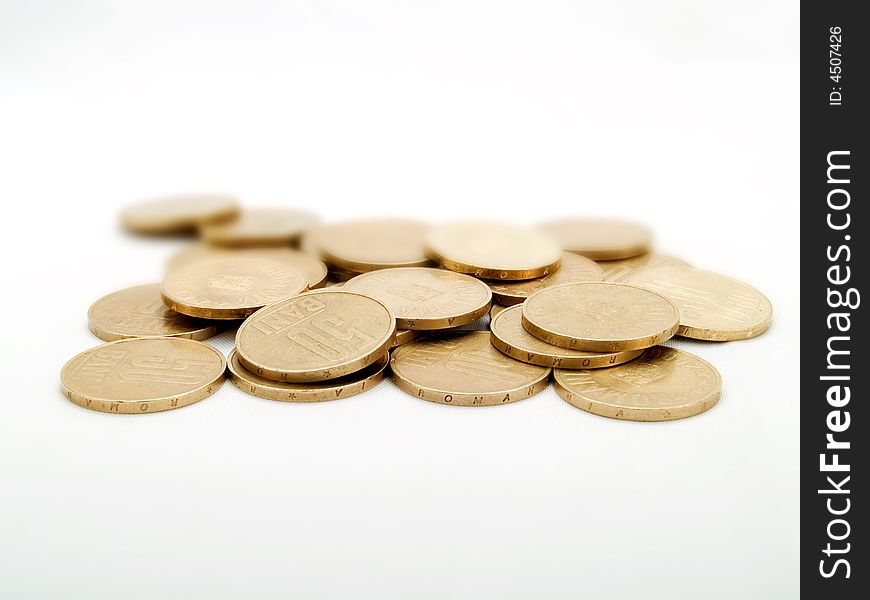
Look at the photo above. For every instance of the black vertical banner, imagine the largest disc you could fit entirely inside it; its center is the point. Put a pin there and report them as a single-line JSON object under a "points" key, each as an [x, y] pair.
{"points": [[834, 369]]}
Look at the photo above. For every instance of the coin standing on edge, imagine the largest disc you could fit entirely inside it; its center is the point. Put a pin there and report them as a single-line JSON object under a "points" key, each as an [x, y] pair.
{"points": [[619, 271], [230, 288], [713, 306], [173, 214], [371, 244], [140, 312], [493, 250], [600, 239], [314, 336], [661, 385], [463, 369], [260, 227], [574, 269], [317, 391], [509, 337], [600, 317], [426, 298], [143, 375]]}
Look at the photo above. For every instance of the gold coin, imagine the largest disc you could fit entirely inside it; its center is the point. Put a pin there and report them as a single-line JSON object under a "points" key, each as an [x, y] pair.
{"points": [[574, 268], [313, 268], [368, 245], [331, 389], [661, 385], [260, 227], [173, 214], [425, 298], [315, 336], [495, 310], [493, 250], [230, 288], [618, 271], [600, 317], [403, 336], [143, 375], [712, 306], [140, 312], [509, 337], [463, 368], [600, 239]]}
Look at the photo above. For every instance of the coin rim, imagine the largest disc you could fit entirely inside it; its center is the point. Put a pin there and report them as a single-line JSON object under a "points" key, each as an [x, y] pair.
{"points": [[648, 415], [594, 344], [508, 299], [302, 376], [357, 267], [613, 253], [179, 224], [154, 405]]}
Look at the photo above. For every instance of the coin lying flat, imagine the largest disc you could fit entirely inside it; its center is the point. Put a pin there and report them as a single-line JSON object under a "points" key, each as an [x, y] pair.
{"points": [[509, 336], [230, 288], [425, 298], [368, 245], [317, 391], [178, 213], [662, 384], [260, 227], [143, 375], [314, 336], [574, 268], [313, 268], [600, 317], [712, 306], [140, 312], [600, 239], [462, 368], [493, 250], [619, 271]]}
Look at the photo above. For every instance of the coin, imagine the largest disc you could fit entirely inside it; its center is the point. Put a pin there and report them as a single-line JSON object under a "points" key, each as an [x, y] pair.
{"points": [[139, 312], [173, 214], [260, 227], [463, 368], [313, 268], [367, 245], [600, 239], [403, 336], [315, 336], [425, 298], [493, 250], [600, 317], [143, 375], [495, 310], [230, 288], [339, 276], [317, 391], [618, 271], [509, 337], [662, 384], [712, 306], [574, 268]]}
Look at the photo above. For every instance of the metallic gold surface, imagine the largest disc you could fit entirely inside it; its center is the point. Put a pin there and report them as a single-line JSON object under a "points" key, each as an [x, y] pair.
{"points": [[372, 244], [403, 336], [712, 306], [509, 337], [313, 268], [230, 288], [143, 375], [495, 310], [314, 336], [332, 389], [574, 269], [257, 227], [600, 239], [600, 317], [493, 250], [140, 312], [619, 271], [339, 276], [463, 369], [172, 214], [661, 385], [425, 298]]}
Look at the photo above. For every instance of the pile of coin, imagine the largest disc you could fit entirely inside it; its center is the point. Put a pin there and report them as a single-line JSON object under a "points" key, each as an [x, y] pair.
{"points": [[471, 313]]}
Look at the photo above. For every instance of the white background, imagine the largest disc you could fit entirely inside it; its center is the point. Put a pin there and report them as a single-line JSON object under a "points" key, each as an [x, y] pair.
{"points": [[681, 114]]}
